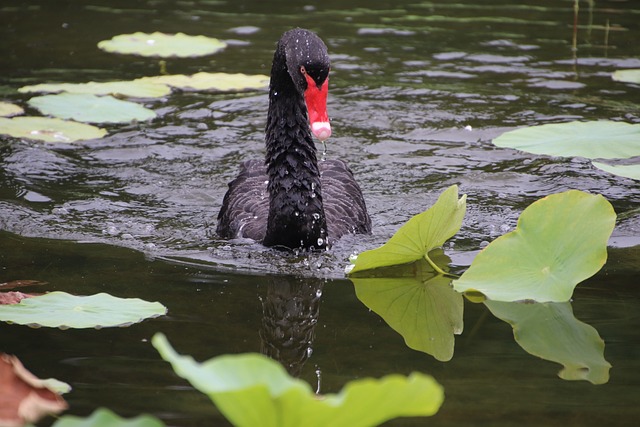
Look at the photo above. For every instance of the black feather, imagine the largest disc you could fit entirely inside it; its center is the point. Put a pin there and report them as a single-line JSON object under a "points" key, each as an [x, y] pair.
{"points": [[294, 201]]}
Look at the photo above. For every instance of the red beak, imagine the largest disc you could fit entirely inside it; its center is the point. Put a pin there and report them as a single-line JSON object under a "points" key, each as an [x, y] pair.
{"points": [[316, 100]]}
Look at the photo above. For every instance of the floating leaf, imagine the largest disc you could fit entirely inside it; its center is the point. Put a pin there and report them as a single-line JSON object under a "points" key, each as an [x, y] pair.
{"points": [[24, 397], [600, 139], [550, 331], [253, 390], [105, 418], [423, 308], [627, 76], [8, 110], [62, 310], [628, 171], [162, 45], [559, 241], [212, 81], [419, 235], [48, 129], [90, 108], [133, 88]]}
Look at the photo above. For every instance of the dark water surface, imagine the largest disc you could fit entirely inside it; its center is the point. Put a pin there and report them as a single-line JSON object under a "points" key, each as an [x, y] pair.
{"points": [[418, 90]]}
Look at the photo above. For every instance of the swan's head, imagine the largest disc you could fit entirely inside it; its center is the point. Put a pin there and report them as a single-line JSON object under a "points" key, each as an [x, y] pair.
{"points": [[308, 65]]}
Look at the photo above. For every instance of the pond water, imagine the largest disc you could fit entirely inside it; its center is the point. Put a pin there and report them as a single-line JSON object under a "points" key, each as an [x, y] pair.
{"points": [[418, 91]]}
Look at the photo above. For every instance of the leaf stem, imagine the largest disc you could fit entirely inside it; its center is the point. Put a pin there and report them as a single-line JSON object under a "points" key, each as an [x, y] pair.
{"points": [[438, 269]]}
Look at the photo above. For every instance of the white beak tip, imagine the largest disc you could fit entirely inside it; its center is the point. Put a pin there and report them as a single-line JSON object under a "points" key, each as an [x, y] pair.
{"points": [[322, 130]]}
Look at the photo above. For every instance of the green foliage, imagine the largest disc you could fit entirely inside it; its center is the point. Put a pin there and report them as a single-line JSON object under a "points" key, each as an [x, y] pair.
{"points": [[7, 109], [421, 306], [63, 310], [105, 418], [419, 235], [253, 390], [48, 129], [559, 241], [594, 140], [628, 171], [627, 76], [162, 45], [133, 88], [90, 108], [550, 331], [223, 82]]}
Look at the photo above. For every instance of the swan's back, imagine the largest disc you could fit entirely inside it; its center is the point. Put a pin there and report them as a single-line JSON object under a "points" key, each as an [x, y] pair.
{"points": [[245, 207]]}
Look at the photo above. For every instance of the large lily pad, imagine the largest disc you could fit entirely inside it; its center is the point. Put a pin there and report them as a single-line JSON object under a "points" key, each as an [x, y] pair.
{"points": [[48, 129], [551, 331], [627, 76], [253, 390], [559, 241], [133, 88], [422, 233], [593, 140], [212, 81], [63, 310], [105, 418], [90, 108], [162, 45], [628, 171], [423, 308], [7, 109]]}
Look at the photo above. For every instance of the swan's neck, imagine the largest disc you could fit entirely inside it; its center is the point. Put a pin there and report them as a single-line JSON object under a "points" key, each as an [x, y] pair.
{"points": [[296, 215]]}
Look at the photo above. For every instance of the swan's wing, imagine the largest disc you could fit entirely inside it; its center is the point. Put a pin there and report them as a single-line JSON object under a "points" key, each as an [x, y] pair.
{"points": [[245, 207], [344, 204]]}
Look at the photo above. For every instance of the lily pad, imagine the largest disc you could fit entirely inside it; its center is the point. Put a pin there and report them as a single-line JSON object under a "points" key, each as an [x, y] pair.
{"points": [[422, 233], [423, 308], [252, 390], [212, 81], [627, 76], [628, 171], [48, 129], [559, 241], [133, 88], [551, 331], [63, 310], [593, 140], [105, 418], [162, 45], [90, 108], [7, 109]]}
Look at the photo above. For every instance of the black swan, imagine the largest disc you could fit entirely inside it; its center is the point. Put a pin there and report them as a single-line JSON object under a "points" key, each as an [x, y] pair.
{"points": [[295, 201]]}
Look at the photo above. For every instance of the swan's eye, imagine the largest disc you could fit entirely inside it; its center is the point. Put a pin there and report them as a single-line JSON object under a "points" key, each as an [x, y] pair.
{"points": [[303, 70]]}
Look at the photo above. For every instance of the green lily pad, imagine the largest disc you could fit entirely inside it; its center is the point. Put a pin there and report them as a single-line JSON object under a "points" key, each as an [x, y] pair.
{"points": [[253, 390], [212, 81], [162, 45], [628, 171], [559, 241], [90, 108], [133, 88], [7, 109], [423, 307], [551, 331], [422, 233], [593, 140], [627, 76], [48, 129], [63, 310], [105, 418]]}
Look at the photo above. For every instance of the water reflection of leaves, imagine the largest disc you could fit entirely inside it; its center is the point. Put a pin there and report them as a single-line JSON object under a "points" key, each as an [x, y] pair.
{"points": [[417, 303], [421, 305], [551, 331]]}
